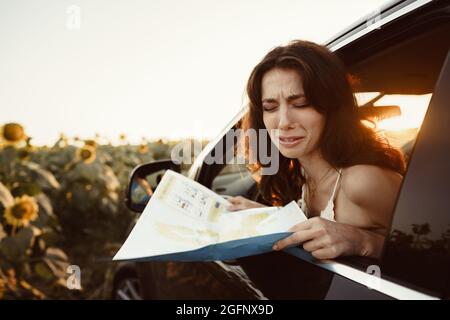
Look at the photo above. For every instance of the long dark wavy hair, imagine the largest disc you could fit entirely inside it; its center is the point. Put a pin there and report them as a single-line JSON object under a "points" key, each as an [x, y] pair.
{"points": [[346, 139]]}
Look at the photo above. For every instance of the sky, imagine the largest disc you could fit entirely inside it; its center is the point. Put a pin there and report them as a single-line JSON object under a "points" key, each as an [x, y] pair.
{"points": [[153, 69]]}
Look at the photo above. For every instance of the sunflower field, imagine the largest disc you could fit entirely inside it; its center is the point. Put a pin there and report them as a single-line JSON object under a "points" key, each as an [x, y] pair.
{"points": [[62, 206]]}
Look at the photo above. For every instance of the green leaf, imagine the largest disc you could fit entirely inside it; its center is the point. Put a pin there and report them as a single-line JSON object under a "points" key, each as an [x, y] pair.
{"points": [[25, 236], [6, 197], [79, 197], [110, 180], [107, 206], [57, 262], [50, 237], [30, 189], [43, 271], [88, 172], [15, 247], [7, 160], [56, 254], [45, 204], [42, 177], [46, 217]]}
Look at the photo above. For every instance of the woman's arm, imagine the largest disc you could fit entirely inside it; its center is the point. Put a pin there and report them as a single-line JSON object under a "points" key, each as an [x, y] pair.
{"points": [[363, 217], [369, 194], [326, 239]]}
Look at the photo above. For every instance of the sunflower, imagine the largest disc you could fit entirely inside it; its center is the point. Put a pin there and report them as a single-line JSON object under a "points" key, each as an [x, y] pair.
{"points": [[63, 141], [143, 148], [90, 142], [12, 134], [24, 210], [87, 154]]}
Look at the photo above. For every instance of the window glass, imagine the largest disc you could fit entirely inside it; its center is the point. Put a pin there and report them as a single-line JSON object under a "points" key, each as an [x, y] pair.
{"points": [[406, 76], [418, 249], [233, 180]]}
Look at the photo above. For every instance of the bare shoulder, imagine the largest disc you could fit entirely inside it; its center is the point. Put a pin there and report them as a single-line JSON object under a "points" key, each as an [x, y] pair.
{"points": [[371, 187]]}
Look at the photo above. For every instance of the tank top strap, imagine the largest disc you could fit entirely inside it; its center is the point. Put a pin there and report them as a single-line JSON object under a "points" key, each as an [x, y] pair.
{"points": [[302, 202], [328, 212], [335, 185]]}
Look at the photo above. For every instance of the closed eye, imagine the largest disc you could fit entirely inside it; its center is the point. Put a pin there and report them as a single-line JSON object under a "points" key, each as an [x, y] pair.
{"points": [[297, 106], [269, 108], [300, 106]]}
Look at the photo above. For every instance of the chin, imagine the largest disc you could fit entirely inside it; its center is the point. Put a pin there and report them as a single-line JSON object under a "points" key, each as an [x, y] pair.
{"points": [[291, 154]]}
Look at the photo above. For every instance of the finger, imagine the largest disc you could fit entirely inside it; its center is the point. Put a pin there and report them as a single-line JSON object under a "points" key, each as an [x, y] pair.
{"points": [[233, 200], [325, 253], [232, 207], [295, 238], [316, 222], [237, 199], [314, 245], [305, 225], [236, 207]]}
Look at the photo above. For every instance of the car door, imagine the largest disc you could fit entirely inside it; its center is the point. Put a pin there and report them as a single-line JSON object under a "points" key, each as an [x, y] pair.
{"points": [[416, 260]]}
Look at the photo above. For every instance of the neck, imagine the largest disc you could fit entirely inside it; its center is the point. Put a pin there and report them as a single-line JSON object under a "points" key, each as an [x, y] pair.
{"points": [[315, 166]]}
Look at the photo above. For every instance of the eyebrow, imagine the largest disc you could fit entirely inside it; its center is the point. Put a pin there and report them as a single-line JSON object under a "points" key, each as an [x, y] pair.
{"points": [[290, 98]]}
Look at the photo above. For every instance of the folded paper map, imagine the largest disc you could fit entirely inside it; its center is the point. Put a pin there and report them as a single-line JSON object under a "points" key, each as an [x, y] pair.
{"points": [[185, 221]]}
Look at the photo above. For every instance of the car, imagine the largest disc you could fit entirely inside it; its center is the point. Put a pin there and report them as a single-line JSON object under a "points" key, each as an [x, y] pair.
{"points": [[399, 59]]}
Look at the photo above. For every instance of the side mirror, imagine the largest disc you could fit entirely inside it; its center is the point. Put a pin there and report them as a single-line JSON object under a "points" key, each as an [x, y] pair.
{"points": [[143, 181]]}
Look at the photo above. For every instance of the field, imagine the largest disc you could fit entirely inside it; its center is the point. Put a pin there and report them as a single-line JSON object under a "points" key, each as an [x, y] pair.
{"points": [[61, 206]]}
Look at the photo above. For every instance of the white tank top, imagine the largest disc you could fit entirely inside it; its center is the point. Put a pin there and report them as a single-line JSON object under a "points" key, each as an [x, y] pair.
{"points": [[328, 212]]}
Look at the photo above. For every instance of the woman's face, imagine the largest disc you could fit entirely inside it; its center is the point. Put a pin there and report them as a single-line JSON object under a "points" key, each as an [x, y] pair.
{"points": [[299, 126]]}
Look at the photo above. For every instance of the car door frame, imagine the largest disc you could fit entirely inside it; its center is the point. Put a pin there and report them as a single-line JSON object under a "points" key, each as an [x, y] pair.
{"points": [[365, 280]]}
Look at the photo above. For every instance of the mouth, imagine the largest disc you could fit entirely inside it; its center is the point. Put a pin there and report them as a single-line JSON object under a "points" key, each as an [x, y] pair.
{"points": [[290, 141]]}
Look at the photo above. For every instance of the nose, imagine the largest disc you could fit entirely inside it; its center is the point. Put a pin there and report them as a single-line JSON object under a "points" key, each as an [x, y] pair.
{"points": [[285, 120]]}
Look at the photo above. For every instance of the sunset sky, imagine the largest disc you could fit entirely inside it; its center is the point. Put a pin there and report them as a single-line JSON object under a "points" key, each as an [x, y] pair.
{"points": [[145, 68]]}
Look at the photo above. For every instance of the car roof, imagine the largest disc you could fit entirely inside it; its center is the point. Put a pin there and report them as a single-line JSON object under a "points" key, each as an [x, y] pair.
{"points": [[371, 49], [383, 13]]}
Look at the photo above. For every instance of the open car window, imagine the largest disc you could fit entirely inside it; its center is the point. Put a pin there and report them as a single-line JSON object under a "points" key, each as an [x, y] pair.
{"points": [[406, 75], [399, 125]]}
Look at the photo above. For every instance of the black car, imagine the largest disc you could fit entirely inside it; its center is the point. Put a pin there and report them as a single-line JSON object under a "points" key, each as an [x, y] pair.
{"points": [[400, 58]]}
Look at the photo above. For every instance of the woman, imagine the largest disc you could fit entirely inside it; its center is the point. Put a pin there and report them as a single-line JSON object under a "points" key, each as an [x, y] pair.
{"points": [[344, 176]]}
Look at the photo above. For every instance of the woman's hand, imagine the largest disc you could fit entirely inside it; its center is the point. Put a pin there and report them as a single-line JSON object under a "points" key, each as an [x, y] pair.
{"points": [[241, 203], [326, 239]]}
